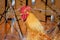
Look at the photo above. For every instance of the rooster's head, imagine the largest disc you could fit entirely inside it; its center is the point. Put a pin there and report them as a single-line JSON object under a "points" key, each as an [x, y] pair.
{"points": [[25, 12]]}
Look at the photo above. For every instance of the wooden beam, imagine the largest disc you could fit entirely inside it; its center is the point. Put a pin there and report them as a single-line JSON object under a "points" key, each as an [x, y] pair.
{"points": [[26, 2]]}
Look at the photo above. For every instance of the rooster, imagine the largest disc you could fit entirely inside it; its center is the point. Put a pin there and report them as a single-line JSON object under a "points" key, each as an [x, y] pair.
{"points": [[35, 30]]}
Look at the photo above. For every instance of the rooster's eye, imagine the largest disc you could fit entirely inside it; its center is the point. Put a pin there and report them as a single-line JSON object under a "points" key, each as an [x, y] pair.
{"points": [[26, 11]]}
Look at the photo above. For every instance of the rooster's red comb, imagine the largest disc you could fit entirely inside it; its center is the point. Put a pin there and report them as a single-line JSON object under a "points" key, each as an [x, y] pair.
{"points": [[27, 8]]}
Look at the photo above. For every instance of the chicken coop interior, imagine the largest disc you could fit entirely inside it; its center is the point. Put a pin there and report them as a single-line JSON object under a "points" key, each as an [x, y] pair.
{"points": [[29, 19]]}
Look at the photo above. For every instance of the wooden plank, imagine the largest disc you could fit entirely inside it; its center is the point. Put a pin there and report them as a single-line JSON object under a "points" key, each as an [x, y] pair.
{"points": [[2, 6]]}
